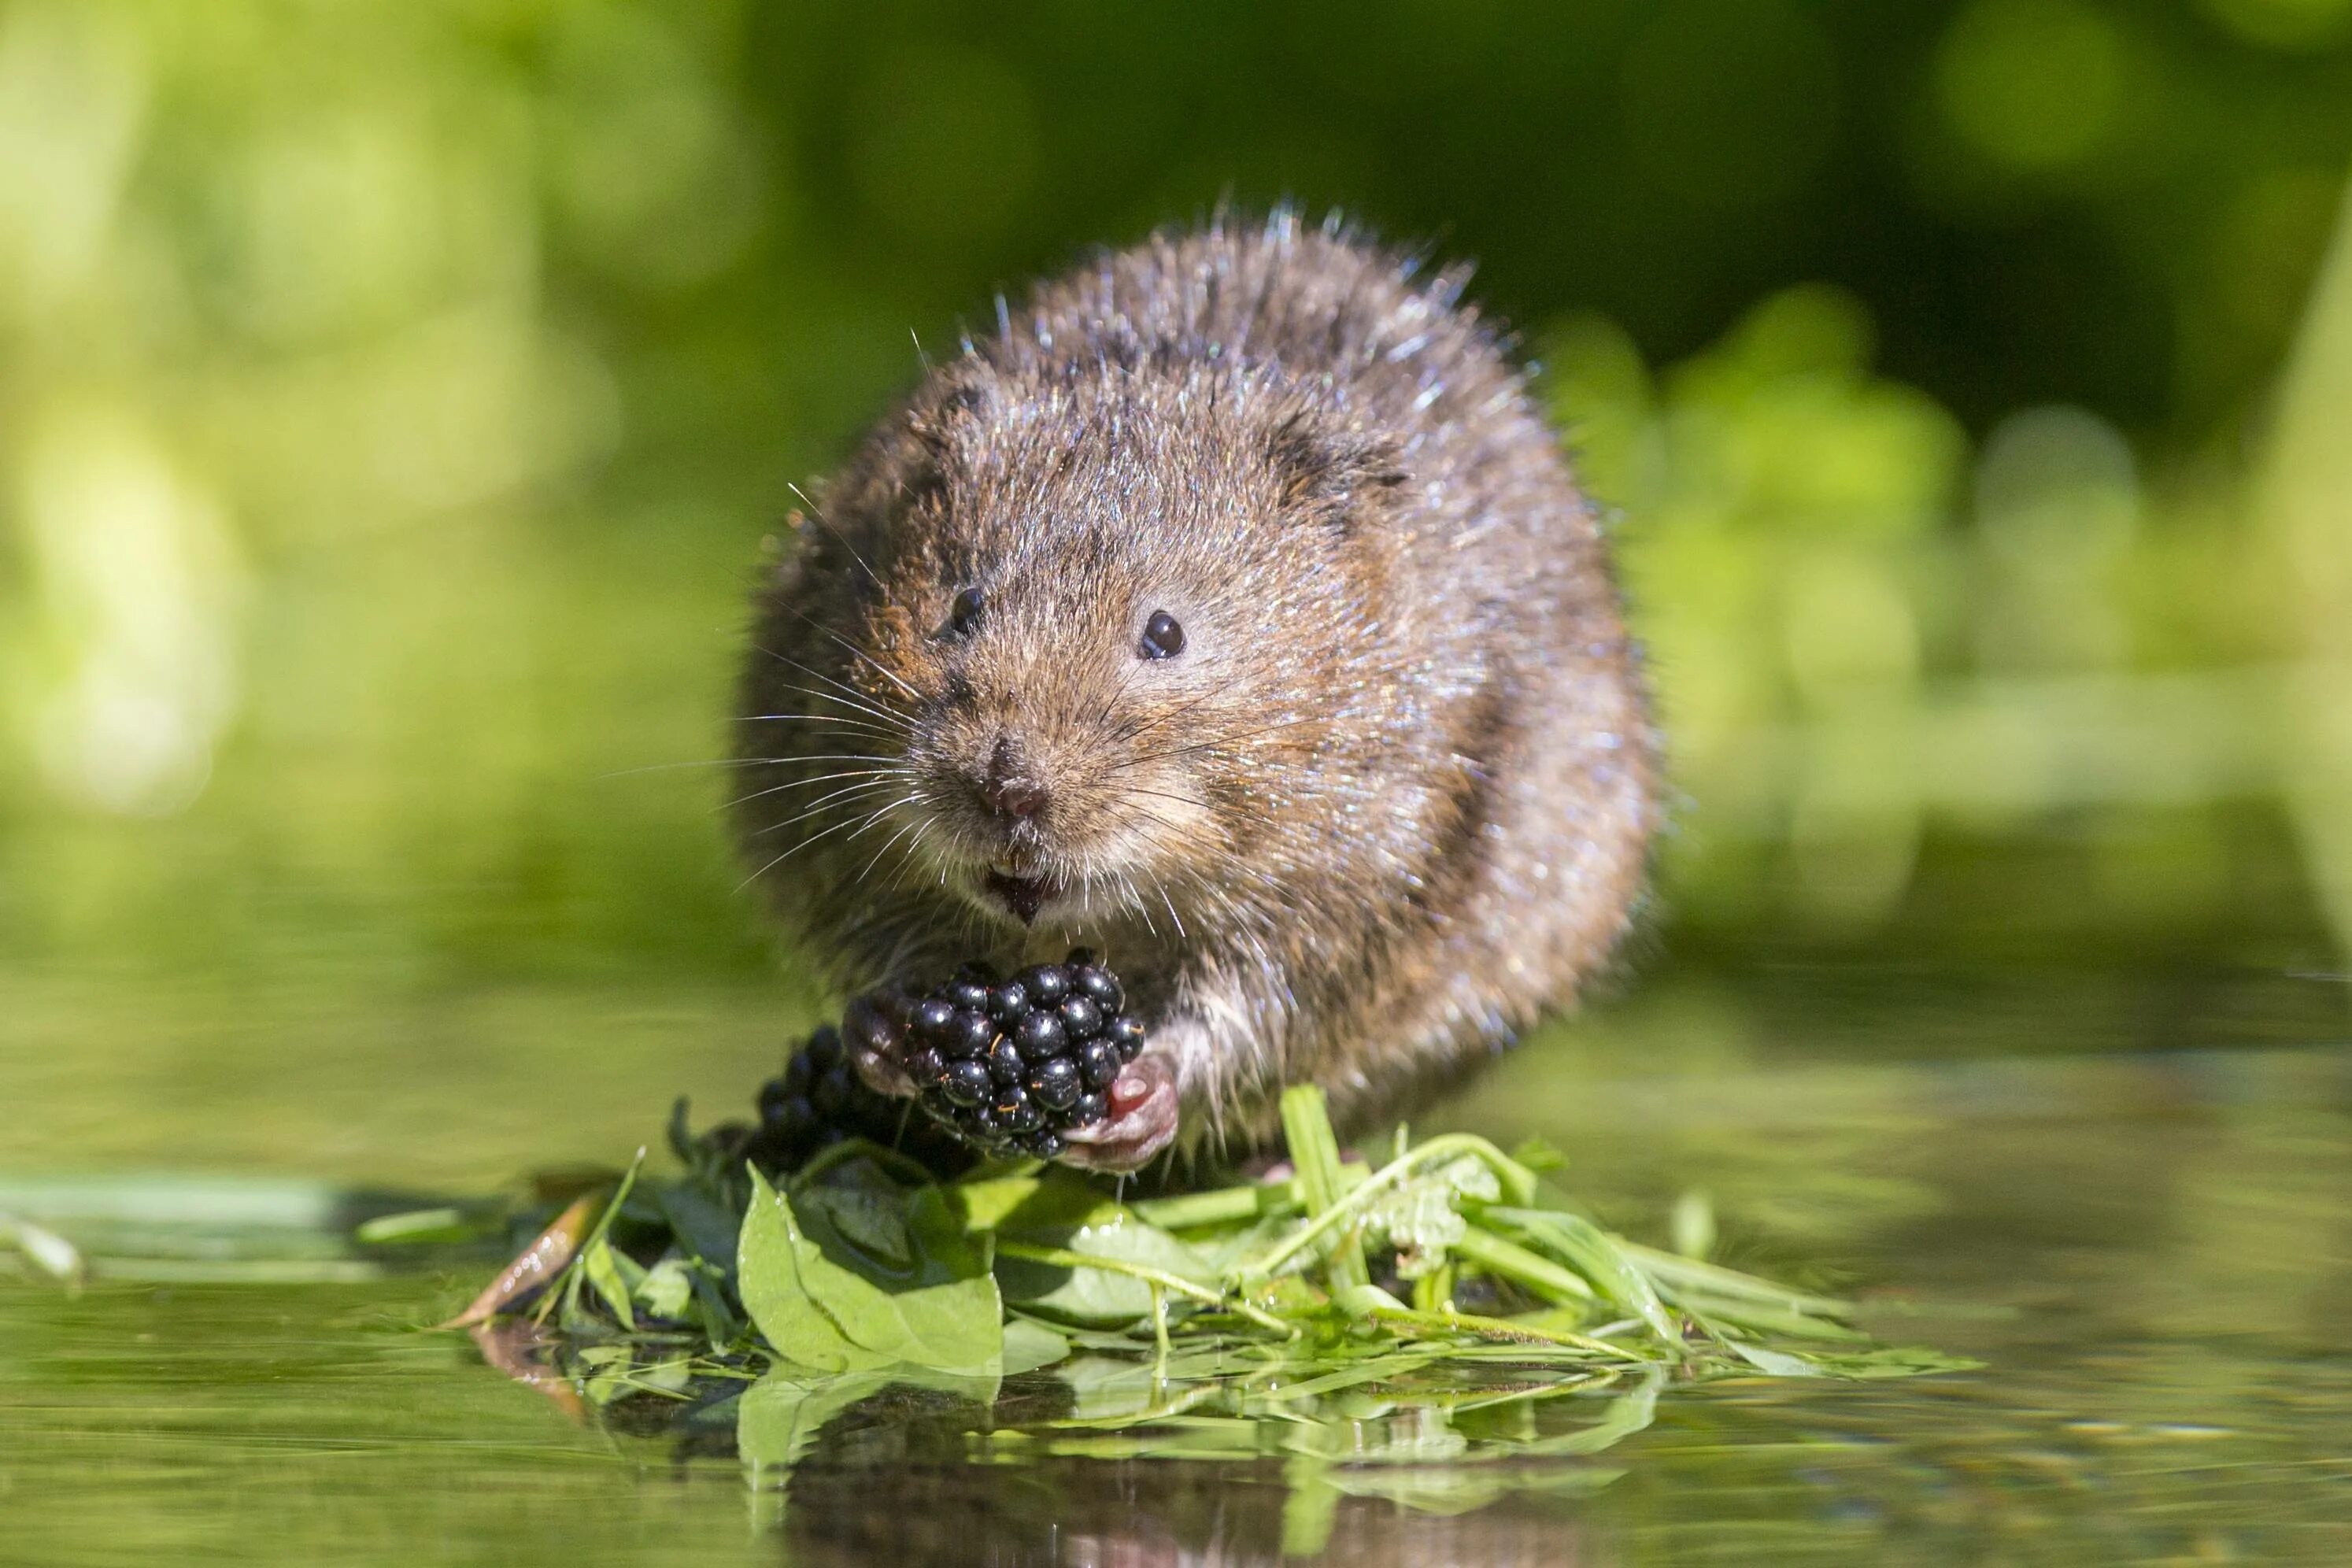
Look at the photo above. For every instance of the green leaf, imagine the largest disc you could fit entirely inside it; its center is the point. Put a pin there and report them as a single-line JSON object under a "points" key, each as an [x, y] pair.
{"points": [[603, 1267], [1593, 1253], [1421, 1216], [768, 1259], [985, 1204], [779, 1417], [421, 1227], [825, 1302], [1537, 1154], [1779, 1364], [1029, 1346], [1314, 1152], [705, 1229], [1076, 1218], [1629, 1413], [866, 1208], [668, 1289]]}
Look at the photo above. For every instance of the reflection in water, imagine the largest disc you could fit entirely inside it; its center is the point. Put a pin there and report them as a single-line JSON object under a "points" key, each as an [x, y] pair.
{"points": [[2152, 1254]]}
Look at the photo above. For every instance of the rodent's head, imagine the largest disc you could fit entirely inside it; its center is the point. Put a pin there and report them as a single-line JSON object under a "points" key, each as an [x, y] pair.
{"points": [[1110, 632]]}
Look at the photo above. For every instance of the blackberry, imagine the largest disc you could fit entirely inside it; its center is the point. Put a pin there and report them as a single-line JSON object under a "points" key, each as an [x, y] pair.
{"points": [[1039, 1034], [819, 1099], [1098, 1063], [1004, 1066], [1046, 983], [1126, 1033], [1055, 1084], [1010, 1066]]}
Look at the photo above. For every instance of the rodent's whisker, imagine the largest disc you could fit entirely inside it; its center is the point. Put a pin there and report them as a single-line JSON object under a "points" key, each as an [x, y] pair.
{"points": [[884, 727], [817, 514], [853, 651], [804, 844], [1161, 794], [867, 870], [879, 815], [850, 790], [851, 697], [814, 811], [889, 722], [829, 757], [1216, 740], [1136, 731], [883, 770], [834, 719], [698, 762], [1100, 717], [876, 765]]}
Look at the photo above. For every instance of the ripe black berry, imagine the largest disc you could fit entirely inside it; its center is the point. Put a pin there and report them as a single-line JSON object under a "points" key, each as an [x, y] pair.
{"points": [[1125, 1032], [1011, 1066], [934, 1018], [1080, 1018], [1047, 983], [972, 1035], [967, 1083], [819, 1099], [1040, 1035], [1015, 1111], [1008, 1003], [795, 1118], [1055, 1084], [832, 1096], [1097, 985], [1098, 1064]]}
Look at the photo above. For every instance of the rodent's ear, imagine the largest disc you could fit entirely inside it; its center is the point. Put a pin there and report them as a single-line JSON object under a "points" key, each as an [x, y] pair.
{"points": [[783, 555], [1338, 477], [953, 398]]}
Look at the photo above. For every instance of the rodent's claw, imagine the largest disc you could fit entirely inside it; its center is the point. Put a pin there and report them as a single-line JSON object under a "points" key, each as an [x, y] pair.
{"points": [[874, 1031], [1142, 1119]]}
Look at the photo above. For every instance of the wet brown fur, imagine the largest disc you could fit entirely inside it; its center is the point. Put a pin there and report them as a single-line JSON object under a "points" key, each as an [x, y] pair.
{"points": [[1392, 802]]}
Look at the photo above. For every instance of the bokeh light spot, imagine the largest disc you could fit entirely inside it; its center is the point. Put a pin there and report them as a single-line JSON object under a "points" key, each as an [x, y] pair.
{"points": [[2282, 24], [130, 653], [2034, 85]]}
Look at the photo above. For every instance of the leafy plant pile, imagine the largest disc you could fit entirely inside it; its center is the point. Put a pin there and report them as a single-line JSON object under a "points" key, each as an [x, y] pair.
{"points": [[861, 1264]]}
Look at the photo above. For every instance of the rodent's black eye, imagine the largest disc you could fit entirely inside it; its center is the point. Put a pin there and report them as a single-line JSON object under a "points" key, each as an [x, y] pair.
{"points": [[964, 614], [1163, 637]]}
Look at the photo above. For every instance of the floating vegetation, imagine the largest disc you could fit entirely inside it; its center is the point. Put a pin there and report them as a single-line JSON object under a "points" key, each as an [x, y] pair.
{"points": [[1440, 1309]]}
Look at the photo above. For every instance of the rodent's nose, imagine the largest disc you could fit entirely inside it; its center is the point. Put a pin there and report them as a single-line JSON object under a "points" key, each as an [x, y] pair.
{"points": [[1010, 789]]}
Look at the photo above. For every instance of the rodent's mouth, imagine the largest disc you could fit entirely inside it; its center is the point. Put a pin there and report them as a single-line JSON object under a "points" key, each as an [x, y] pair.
{"points": [[1022, 897]]}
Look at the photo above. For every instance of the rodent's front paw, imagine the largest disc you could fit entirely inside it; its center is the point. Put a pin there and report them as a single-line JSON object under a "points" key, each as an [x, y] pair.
{"points": [[1142, 1119], [874, 1030]]}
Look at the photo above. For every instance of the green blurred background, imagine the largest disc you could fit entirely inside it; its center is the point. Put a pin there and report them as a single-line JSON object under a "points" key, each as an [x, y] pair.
{"points": [[392, 398]]}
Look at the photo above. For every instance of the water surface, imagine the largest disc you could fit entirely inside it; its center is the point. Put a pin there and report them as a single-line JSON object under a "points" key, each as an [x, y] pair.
{"points": [[2150, 1249]]}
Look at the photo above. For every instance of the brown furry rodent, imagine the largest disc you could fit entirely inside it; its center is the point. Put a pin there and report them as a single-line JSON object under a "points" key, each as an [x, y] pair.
{"points": [[1230, 610]]}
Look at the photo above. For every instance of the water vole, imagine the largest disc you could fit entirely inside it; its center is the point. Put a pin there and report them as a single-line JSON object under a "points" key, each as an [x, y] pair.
{"points": [[1232, 610]]}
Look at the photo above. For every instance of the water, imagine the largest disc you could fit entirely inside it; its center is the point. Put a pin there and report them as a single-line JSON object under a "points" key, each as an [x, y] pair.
{"points": [[2150, 1249]]}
